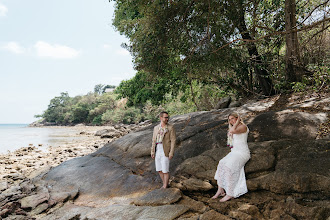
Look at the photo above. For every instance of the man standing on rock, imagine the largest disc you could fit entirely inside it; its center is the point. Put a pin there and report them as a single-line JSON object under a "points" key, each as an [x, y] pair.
{"points": [[163, 143]]}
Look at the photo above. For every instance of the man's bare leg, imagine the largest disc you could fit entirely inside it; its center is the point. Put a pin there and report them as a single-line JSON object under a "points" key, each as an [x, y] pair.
{"points": [[166, 179], [161, 174]]}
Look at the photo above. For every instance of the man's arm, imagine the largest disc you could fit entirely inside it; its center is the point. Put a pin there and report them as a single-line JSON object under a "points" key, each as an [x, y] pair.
{"points": [[173, 142], [153, 143]]}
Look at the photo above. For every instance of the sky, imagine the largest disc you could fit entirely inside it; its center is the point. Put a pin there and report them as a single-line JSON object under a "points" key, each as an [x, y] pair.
{"points": [[48, 47]]}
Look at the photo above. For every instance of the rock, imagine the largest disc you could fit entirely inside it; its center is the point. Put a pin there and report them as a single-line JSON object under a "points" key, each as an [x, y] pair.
{"points": [[240, 215], [17, 217], [234, 104], [165, 212], [302, 166], [223, 103], [13, 190], [3, 185], [193, 184], [189, 216], [292, 210], [147, 122], [38, 172], [262, 158], [14, 176], [104, 131], [159, 197], [211, 215], [286, 124], [192, 204], [112, 134], [34, 200], [118, 126], [251, 210], [287, 166], [27, 187], [8, 209], [61, 197], [39, 209]]}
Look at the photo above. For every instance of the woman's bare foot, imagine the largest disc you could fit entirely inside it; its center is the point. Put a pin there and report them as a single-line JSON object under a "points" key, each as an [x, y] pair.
{"points": [[226, 198], [220, 192]]}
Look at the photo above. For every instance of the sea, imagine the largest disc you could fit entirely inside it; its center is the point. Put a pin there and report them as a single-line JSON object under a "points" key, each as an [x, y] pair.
{"points": [[15, 136]]}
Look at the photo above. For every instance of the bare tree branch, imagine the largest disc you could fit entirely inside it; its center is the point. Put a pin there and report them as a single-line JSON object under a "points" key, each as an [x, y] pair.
{"points": [[274, 33], [324, 28], [311, 12]]}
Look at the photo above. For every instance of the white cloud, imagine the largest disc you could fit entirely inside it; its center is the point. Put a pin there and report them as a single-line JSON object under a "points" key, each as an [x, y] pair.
{"points": [[13, 47], [123, 52], [56, 51], [3, 10]]}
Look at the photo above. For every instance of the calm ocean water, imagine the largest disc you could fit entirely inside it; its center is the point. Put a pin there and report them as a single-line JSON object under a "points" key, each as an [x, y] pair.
{"points": [[15, 136]]}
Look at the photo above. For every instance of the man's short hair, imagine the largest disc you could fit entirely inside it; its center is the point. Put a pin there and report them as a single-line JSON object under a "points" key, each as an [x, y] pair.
{"points": [[161, 114]]}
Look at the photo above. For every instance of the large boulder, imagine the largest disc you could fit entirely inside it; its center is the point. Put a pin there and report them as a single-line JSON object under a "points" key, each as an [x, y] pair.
{"points": [[286, 161], [223, 103]]}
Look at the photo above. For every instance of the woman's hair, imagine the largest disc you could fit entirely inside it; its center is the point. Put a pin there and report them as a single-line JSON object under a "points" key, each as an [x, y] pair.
{"points": [[234, 114]]}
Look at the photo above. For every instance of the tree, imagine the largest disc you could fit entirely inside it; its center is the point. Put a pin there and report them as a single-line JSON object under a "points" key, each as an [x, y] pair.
{"points": [[184, 37], [58, 108], [234, 43], [142, 88], [99, 89]]}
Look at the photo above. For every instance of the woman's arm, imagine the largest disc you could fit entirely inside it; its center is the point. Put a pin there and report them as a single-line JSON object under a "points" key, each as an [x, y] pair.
{"points": [[238, 128], [241, 128]]}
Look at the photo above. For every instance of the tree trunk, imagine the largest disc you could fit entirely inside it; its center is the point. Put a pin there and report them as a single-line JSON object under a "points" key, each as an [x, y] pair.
{"points": [[292, 44], [261, 73]]}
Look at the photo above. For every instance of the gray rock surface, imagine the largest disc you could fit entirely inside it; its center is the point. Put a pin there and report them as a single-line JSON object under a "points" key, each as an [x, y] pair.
{"points": [[159, 197], [122, 212], [223, 103], [288, 174]]}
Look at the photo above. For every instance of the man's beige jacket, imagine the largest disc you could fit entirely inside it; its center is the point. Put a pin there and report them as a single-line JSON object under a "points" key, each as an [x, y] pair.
{"points": [[168, 141]]}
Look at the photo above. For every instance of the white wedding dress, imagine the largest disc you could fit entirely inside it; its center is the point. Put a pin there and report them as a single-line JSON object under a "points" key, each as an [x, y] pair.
{"points": [[230, 172]]}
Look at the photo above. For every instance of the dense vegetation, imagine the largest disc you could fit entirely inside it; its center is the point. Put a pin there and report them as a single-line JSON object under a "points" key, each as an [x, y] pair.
{"points": [[100, 107], [189, 54], [251, 47]]}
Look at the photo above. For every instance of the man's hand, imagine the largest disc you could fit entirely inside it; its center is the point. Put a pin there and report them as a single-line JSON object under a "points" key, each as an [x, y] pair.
{"points": [[170, 157], [153, 156]]}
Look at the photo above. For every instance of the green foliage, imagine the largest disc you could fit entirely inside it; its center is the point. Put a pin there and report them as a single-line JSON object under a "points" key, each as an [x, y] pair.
{"points": [[58, 108], [142, 88], [298, 86], [106, 108], [319, 81], [321, 77], [97, 120], [128, 115], [64, 110], [196, 40]]}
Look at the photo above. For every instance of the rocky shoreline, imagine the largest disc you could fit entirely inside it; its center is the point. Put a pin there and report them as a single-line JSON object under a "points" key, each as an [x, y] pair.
{"points": [[28, 162], [287, 175]]}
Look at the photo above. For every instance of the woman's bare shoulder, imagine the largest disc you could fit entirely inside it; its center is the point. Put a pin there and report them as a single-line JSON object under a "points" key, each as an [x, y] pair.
{"points": [[241, 128]]}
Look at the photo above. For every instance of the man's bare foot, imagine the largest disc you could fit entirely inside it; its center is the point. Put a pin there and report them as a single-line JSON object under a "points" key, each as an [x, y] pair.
{"points": [[226, 198]]}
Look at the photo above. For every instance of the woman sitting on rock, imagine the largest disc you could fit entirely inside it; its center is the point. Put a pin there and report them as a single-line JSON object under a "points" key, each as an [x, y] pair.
{"points": [[230, 174]]}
